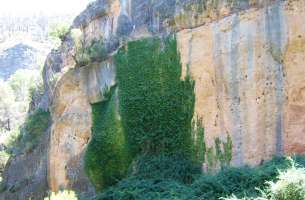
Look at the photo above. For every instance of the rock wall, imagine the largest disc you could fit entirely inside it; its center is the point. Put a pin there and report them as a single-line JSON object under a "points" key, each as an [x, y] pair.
{"points": [[246, 58], [71, 114], [293, 62], [71, 129], [249, 75]]}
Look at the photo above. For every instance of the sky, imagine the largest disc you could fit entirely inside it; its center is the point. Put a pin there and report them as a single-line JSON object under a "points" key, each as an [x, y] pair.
{"points": [[48, 7]]}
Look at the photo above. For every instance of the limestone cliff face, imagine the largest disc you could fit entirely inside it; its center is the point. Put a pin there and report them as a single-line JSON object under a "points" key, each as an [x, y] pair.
{"points": [[248, 70], [69, 134], [247, 60], [71, 129]]}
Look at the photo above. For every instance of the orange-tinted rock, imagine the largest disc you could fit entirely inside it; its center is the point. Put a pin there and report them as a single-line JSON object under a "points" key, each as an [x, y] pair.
{"points": [[70, 133], [294, 62], [250, 78]]}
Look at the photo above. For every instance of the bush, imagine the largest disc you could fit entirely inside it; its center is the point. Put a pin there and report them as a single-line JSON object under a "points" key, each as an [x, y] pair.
{"points": [[147, 189], [95, 52], [84, 55], [59, 31], [147, 183], [289, 185], [80, 56], [37, 122], [63, 195], [171, 167], [35, 125], [239, 181]]}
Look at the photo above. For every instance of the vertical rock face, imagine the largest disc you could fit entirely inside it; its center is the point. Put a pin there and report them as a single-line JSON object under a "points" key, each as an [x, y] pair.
{"points": [[70, 133], [293, 62], [248, 70], [71, 129], [236, 63], [96, 79], [246, 59]]}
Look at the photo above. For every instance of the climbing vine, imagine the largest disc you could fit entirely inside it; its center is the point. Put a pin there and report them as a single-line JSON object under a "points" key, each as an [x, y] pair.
{"points": [[220, 154], [106, 159], [199, 144], [155, 104], [146, 122]]}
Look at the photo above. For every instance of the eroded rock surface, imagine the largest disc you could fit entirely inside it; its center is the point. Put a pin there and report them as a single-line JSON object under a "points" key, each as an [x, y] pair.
{"points": [[249, 75], [70, 133]]}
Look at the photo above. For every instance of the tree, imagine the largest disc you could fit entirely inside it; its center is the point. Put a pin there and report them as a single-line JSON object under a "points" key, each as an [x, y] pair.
{"points": [[7, 100], [21, 81]]}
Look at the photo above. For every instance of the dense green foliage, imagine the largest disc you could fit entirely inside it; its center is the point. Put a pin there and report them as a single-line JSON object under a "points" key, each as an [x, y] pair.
{"points": [[199, 141], [156, 110], [169, 167], [239, 181], [155, 104], [289, 185], [106, 159], [59, 31], [147, 126], [156, 177], [147, 189]]}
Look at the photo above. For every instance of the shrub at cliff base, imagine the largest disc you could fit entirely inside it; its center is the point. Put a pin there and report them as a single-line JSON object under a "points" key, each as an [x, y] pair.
{"points": [[148, 189], [166, 167], [239, 181], [289, 185]]}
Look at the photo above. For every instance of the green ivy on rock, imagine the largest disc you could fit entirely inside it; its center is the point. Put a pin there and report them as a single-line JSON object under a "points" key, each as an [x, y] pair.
{"points": [[155, 103], [146, 125], [106, 159]]}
